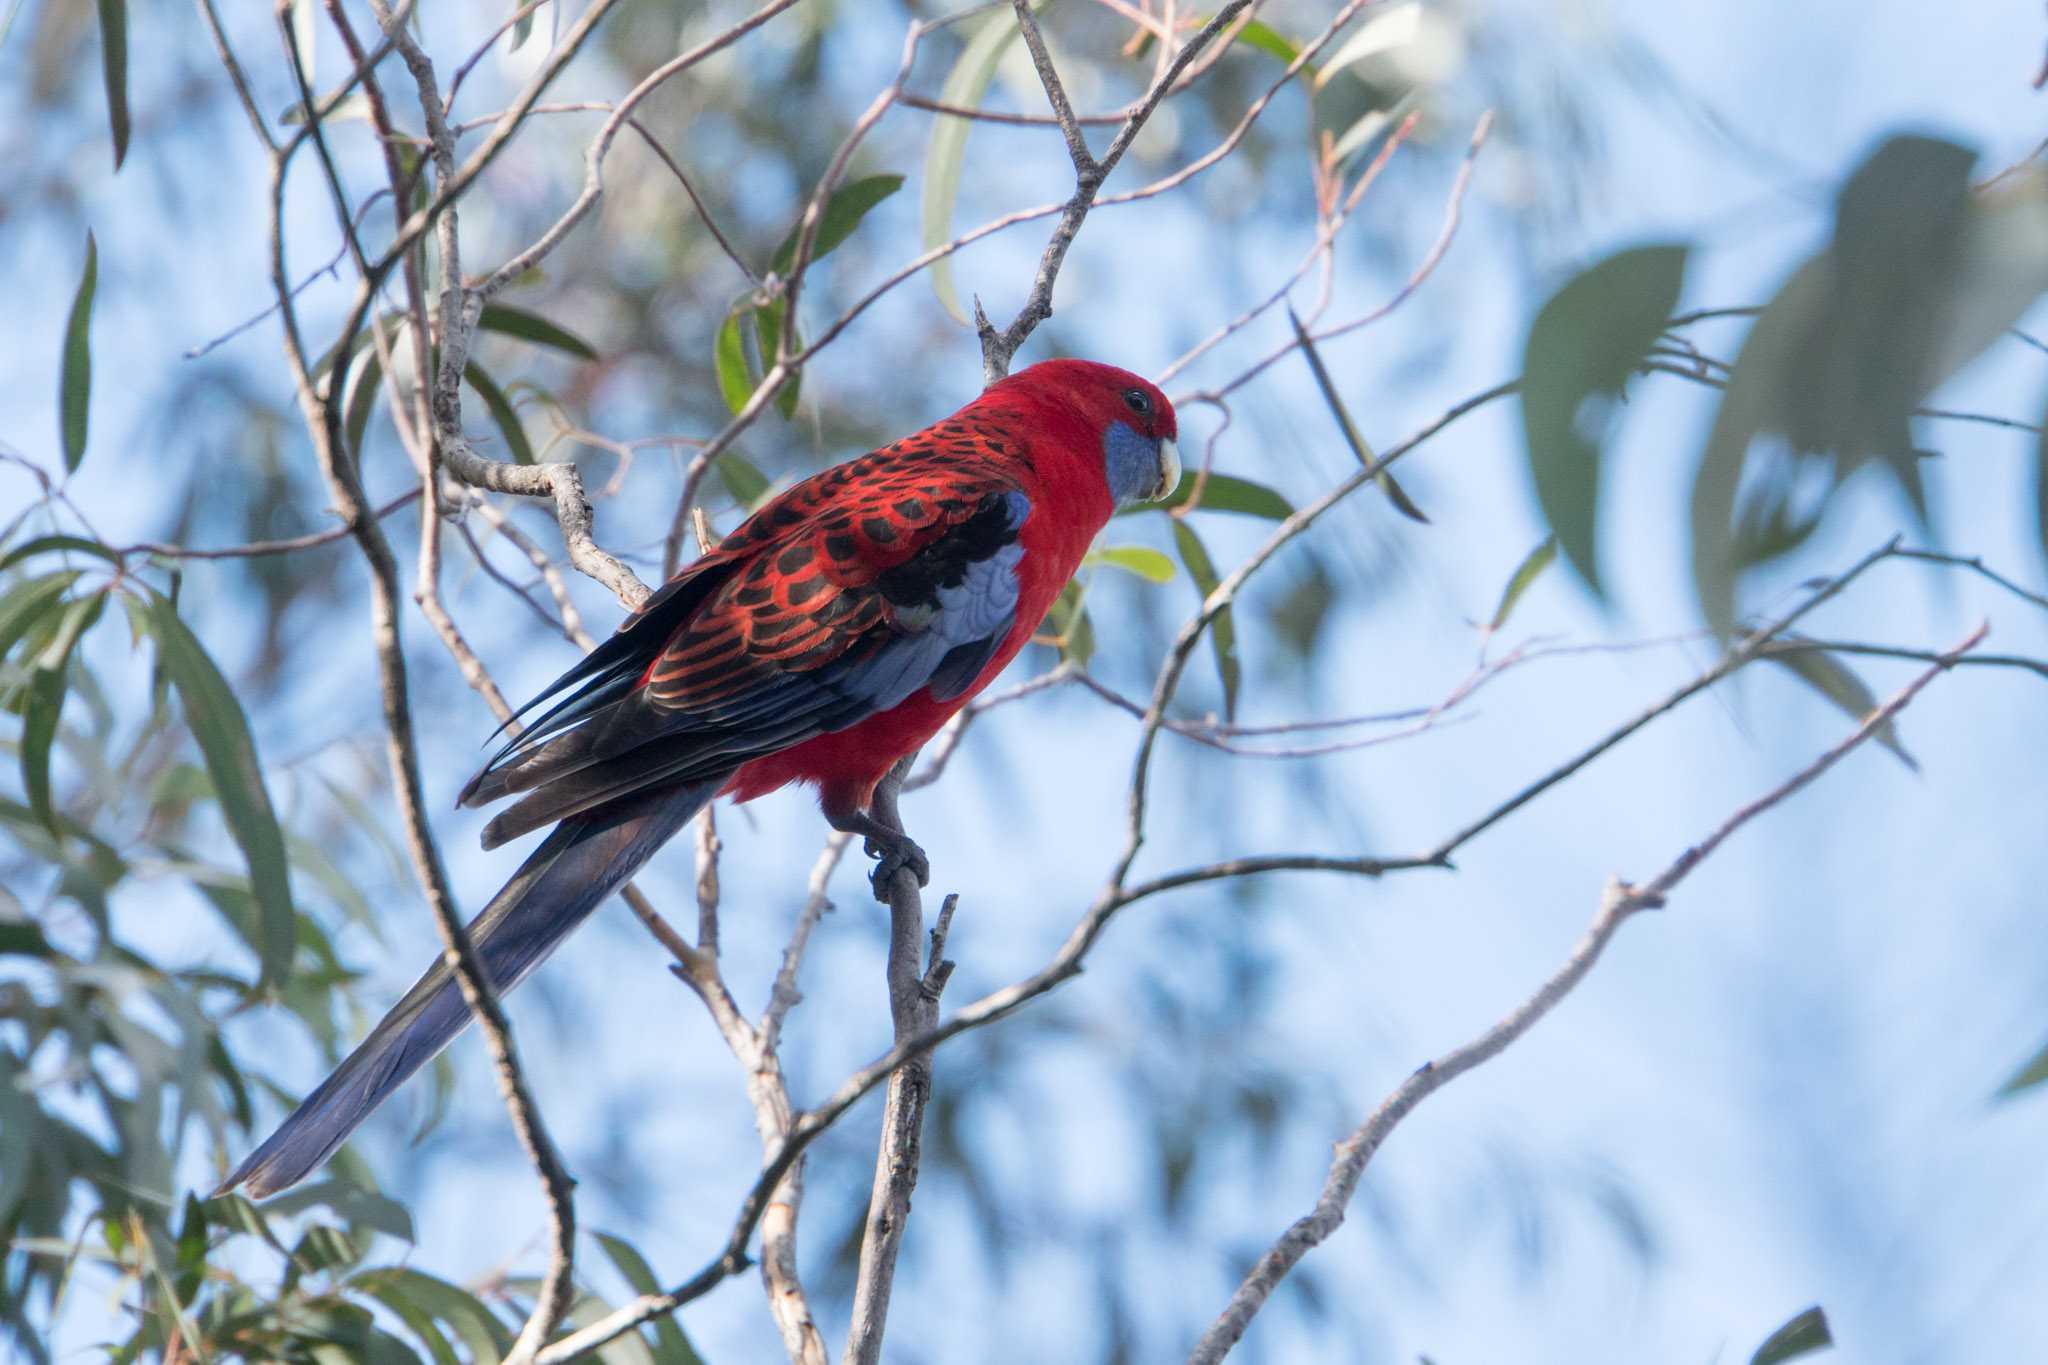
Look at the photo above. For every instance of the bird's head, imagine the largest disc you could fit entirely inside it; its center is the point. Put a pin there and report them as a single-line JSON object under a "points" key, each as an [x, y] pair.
{"points": [[1129, 423]]}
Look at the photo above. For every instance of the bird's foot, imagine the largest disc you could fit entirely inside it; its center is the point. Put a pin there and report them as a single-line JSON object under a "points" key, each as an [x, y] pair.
{"points": [[893, 851]]}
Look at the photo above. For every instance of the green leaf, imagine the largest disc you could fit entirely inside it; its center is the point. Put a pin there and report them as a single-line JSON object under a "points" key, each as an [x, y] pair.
{"points": [[1921, 274], [1584, 344], [671, 1347], [1901, 221], [1142, 560], [747, 484], [502, 412], [1263, 37], [2028, 1076], [729, 363], [1528, 571], [191, 1251], [360, 1208], [1773, 344], [1395, 26], [1222, 630], [843, 211], [518, 322], [1805, 1333], [23, 939], [965, 85], [1837, 682], [27, 603], [420, 1298], [1362, 451], [114, 66], [21, 1120], [48, 679], [362, 400], [768, 330], [522, 27], [1067, 623], [49, 544], [217, 723], [1220, 493], [74, 384]]}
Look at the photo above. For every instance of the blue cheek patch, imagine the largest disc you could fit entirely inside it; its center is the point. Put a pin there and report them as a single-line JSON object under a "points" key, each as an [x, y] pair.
{"points": [[1130, 462]]}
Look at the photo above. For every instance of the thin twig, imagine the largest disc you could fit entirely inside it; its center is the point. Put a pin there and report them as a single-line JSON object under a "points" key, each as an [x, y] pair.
{"points": [[1619, 901], [324, 422], [998, 348], [259, 548], [439, 396], [913, 1009], [1431, 259]]}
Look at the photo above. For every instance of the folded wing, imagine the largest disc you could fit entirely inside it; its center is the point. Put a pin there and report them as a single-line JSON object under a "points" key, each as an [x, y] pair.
{"points": [[819, 612]]}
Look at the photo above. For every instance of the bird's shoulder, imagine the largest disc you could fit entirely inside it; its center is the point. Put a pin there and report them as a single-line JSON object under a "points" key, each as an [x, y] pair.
{"points": [[875, 549], [857, 521]]}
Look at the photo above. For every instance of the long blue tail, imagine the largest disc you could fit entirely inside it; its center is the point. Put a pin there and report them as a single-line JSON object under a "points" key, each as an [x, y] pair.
{"points": [[586, 858]]}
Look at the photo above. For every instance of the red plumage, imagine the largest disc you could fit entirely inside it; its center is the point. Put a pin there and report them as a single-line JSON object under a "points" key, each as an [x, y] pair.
{"points": [[831, 634], [1040, 431]]}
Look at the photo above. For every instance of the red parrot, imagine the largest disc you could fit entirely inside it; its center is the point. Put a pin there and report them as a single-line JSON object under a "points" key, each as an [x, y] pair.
{"points": [[830, 635]]}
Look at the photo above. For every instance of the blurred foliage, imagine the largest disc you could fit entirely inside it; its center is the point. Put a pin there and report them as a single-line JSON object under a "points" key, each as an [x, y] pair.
{"points": [[150, 773]]}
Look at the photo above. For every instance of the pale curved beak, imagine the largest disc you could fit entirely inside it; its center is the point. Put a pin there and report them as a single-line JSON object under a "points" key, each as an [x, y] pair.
{"points": [[1169, 469]]}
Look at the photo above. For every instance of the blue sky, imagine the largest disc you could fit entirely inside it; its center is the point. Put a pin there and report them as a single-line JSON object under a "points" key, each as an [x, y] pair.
{"points": [[1787, 1071]]}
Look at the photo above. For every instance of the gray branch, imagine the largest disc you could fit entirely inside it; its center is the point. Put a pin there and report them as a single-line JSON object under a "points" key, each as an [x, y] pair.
{"points": [[1617, 903]]}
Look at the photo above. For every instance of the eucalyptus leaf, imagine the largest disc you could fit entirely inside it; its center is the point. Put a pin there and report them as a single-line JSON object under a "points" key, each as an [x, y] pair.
{"points": [[1219, 493], [522, 27], [1223, 629], [529, 326], [729, 362], [28, 604], [1388, 28], [362, 1209], [367, 381], [849, 204], [671, 1346], [1142, 560], [1067, 624], [1362, 451], [503, 414], [217, 723], [1920, 275], [747, 484], [964, 88], [1840, 685], [1804, 1334], [768, 337], [2033, 1073], [1528, 571], [74, 382], [44, 707], [1263, 37], [114, 71], [1586, 341], [43, 545], [415, 1295]]}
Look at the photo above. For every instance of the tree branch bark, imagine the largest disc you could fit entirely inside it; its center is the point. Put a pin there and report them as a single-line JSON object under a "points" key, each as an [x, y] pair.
{"points": [[913, 1008]]}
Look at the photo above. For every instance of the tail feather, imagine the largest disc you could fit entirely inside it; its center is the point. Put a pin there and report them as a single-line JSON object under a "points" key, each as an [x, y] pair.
{"points": [[569, 875]]}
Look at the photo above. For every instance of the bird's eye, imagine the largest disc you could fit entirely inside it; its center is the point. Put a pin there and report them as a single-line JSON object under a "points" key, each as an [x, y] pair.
{"points": [[1137, 402]]}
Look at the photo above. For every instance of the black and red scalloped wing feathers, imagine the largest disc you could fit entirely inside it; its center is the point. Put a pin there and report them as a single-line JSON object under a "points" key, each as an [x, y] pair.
{"points": [[844, 597]]}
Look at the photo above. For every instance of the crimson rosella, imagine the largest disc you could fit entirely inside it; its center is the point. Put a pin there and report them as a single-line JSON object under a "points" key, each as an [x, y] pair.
{"points": [[830, 635]]}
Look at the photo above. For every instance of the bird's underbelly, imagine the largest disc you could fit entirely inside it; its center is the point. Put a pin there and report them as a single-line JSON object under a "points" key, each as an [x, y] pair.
{"points": [[846, 764]]}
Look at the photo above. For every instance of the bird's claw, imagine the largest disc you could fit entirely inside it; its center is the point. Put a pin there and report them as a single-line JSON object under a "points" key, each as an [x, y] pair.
{"points": [[891, 855]]}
